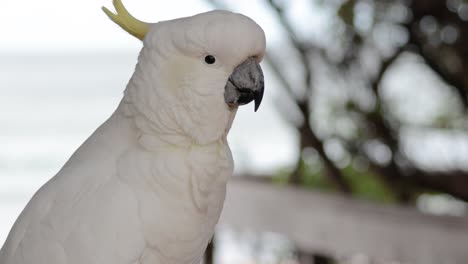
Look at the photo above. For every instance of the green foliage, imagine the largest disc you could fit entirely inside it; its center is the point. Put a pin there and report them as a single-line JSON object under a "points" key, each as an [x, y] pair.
{"points": [[310, 177], [281, 177], [364, 184], [367, 185], [313, 178]]}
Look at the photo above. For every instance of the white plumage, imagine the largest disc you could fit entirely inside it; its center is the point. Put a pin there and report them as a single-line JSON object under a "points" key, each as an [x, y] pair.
{"points": [[148, 186]]}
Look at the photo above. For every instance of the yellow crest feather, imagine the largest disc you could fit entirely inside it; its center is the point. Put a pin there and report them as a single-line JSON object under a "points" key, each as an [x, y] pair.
{"points": [[126, 21]]}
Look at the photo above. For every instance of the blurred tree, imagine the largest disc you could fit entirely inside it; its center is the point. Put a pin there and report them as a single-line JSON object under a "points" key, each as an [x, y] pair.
{"points": [[355, 135]]}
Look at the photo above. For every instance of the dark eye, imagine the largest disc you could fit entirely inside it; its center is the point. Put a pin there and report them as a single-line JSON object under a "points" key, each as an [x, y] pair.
{"points": [[210, 59]]}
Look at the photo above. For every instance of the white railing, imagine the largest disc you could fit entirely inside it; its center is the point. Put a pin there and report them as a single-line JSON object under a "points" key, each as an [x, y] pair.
{"points": [[331, 224]]}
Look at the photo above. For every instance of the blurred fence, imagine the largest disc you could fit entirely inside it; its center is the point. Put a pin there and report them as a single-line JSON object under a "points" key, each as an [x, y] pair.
{"points": [[336, 225]]}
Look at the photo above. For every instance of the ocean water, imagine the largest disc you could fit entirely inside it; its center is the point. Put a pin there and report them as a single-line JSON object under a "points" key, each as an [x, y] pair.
{"points": [[50, 103]]}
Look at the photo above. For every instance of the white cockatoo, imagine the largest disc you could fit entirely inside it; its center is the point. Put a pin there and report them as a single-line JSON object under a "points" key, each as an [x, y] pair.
{"points": [[148, 186]]}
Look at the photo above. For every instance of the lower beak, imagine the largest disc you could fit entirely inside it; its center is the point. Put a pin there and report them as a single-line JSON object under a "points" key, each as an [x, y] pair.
{"points": [[246, 84]]}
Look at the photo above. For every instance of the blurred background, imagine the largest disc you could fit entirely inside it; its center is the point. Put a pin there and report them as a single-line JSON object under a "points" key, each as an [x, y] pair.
{"points": [[366, 100]]}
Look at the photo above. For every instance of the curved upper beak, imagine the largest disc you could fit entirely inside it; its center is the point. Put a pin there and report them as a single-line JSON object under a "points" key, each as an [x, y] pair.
{"points": [[245, 84]]}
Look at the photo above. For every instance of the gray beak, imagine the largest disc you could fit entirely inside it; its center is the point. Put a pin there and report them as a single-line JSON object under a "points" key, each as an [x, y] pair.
{"points": [[245, 84]]}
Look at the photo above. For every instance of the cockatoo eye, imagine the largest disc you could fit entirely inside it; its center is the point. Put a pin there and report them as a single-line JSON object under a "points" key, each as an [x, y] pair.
{"points": [[210, 59]]}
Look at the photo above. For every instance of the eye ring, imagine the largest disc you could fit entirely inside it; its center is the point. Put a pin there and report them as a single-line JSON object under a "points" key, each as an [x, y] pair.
{"points": [[210, 59]]}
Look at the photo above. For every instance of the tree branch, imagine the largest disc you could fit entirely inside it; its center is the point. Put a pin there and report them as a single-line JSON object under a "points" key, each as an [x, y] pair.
{"points": [[303, 51], [310, 139], [431, 55]]}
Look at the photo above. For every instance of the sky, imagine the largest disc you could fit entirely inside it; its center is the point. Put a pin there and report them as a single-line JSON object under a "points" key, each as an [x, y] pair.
{"points": [[61, 25], [82, 25], [32, 25]]}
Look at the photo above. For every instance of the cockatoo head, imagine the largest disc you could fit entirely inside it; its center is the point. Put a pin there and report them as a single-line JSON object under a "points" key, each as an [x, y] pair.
{"points": [[193, 72]]}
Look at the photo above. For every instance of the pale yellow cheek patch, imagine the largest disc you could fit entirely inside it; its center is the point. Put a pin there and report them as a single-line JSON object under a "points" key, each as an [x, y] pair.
{"points": [[178, 73]]}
